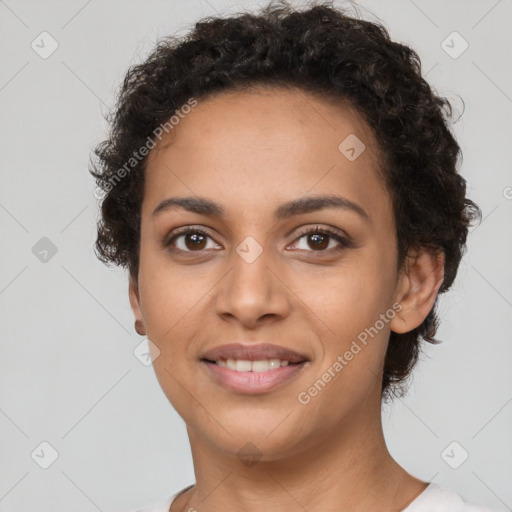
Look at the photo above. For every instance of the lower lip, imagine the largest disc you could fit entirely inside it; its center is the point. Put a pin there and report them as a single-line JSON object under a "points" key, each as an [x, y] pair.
{"points": [[252, 383]]}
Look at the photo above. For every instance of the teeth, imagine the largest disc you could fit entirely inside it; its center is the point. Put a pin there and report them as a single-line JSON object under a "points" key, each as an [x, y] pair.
{"points": [[243, 365]]}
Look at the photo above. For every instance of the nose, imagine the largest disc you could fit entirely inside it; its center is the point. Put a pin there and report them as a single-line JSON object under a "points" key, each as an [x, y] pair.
{"points": [[252, 292]]}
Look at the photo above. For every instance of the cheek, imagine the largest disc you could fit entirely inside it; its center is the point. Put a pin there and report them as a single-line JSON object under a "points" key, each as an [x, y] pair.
{"points": [[346, 298], [169, 313], [170, 303], [348, 305], [169, 298]]}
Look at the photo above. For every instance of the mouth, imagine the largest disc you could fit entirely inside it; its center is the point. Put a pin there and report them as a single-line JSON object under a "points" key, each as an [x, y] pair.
{"points": [[253, 369]]}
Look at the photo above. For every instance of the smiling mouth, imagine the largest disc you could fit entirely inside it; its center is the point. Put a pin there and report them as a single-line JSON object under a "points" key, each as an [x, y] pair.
{"points": [[246, 377]]}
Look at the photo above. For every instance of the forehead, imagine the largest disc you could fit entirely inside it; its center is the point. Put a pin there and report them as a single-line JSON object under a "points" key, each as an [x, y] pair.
{"points": [[265, 146], [268, 116]]}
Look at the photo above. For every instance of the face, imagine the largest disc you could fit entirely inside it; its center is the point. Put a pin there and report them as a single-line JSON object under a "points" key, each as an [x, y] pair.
{"points": [[254, 275]]}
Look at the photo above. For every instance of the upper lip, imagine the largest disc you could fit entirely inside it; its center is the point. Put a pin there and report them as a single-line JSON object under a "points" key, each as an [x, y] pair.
{"points": [[253, 352]]}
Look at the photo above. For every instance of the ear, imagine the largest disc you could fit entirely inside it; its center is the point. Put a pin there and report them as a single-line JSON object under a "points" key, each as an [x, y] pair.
{"points": [[133, 292], [418, 284]]}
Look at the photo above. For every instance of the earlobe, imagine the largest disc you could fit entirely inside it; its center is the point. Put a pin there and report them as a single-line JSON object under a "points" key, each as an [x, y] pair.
{"points": [[133, 293], [419, 283]]}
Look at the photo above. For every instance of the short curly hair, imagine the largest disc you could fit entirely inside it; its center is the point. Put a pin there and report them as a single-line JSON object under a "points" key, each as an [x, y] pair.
{"points": [[320, 49]]}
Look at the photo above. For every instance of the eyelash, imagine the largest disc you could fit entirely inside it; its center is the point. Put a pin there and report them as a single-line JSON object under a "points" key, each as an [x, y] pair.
{"points": [[344, 242]]}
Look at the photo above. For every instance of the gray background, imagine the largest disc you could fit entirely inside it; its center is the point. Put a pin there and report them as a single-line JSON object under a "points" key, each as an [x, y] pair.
{"points": [[68, 375]]}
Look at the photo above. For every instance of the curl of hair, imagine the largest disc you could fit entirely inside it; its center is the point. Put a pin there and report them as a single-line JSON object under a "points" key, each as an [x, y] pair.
{"points": [[322, 50]]}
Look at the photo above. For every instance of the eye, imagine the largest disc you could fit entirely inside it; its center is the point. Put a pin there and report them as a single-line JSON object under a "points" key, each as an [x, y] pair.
{"points": [[189, 240], [319, 240]]}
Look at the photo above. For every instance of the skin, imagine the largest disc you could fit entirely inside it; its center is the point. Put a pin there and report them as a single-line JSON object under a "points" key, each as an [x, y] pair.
{"points": [[251, 151]]}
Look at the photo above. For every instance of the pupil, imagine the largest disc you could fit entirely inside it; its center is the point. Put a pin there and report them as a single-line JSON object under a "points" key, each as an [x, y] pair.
{"points": [[197, 239], [319, 241]]}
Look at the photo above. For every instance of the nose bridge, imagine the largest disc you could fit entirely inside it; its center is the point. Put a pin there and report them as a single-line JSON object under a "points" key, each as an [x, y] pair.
{"points": [[251, 290], [249, 277]]}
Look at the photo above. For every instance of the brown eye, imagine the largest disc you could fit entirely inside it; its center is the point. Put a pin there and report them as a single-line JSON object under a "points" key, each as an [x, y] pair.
{"points": [[321, 241], [194, 241], [190, 240], [318, 241]]}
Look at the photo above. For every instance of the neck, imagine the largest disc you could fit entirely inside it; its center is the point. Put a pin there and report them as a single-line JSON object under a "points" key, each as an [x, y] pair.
{"points": [[350, 468]]}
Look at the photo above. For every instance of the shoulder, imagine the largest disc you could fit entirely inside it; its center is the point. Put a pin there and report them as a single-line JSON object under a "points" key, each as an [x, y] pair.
{"points": [[163, 505], [160, 506], [442, 499]]}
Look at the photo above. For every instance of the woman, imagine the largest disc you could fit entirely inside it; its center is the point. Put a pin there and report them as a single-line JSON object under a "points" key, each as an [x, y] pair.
{"points": [[282, 188]]}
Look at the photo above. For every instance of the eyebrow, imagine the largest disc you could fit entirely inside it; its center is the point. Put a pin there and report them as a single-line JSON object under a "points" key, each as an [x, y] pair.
{"points": [[286, 210]]}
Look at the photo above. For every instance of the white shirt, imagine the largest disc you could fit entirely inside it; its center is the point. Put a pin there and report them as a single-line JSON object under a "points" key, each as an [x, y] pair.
{"points": [[435, 498]]}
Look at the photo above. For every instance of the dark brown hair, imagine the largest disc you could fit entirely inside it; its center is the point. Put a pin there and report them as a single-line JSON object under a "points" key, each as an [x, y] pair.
{"points": [[321, 49]]}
